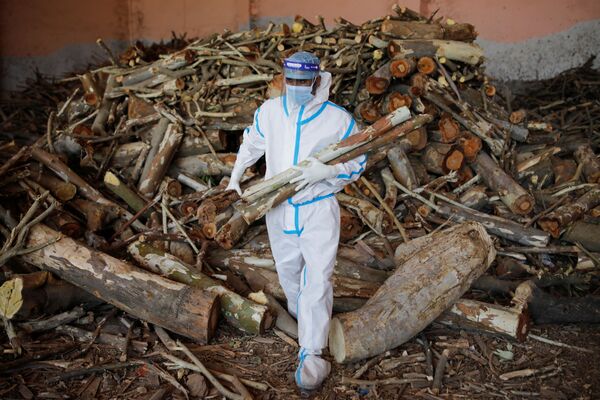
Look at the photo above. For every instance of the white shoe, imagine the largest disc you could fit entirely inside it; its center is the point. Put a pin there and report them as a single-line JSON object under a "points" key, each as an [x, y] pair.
{"points": [[312, 371]]}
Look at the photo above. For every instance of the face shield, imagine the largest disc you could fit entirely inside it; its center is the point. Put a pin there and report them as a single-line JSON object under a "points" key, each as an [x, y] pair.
{"points": [[300, 72]]}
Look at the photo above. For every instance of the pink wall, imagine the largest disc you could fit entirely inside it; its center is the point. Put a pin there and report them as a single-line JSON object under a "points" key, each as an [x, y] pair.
{"points": [[58, 36]]}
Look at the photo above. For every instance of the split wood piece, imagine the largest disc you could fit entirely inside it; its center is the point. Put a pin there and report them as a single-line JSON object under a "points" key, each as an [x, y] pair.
{"points": [[133, 290], [99, 124], [517, 199], [232, 231], [417, 293], [591, 165], [468, 53], [335, 150], [203, 165], [371, 216], [42, 293], [547, 309], [161, 161], [350, 225], [586, 234], [238, 311], [391, 191], [380, 80], [252, 211], [412, 29], [441, 158], [402, 67], [251, 258], [564, 170], [156, 135], [472, 314], [498, 226], [139, 108], [61, 190], [560, 218], [97, 216], [268, 281], [124, 192], [53, 163], [401, 166]]}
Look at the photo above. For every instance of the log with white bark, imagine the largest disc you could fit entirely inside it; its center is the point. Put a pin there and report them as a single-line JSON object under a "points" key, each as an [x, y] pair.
{"points": [[452, 50], [238, 311], [476, 315], [419, 291], [177, 307]]}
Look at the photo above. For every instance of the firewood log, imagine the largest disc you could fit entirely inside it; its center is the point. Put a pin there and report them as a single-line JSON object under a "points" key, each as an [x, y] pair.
{"points": [[401, 166], [591, 165], [559, 219], [379, 81], [449, 49], [511, 193], [585, 233], [418, 292], [135, 291], [238, 311]]}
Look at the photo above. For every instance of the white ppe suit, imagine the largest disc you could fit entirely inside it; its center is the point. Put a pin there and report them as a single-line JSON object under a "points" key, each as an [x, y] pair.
{"points": [[304, 230]]}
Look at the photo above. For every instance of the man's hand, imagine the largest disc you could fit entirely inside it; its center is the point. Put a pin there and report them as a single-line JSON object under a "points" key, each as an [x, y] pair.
{"points": [[314, 172], [234, 181]]}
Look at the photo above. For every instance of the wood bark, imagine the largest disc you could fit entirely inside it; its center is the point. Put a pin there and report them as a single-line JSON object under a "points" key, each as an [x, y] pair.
{"points": [[472, 314], [401, 166], [238, 311], [156, 135], [559, 219], [591, 165], [161, 161], [498, 226], [452, 50], [204, 164], [511, 193], [418, 292], [188, 311], [585, 233]]}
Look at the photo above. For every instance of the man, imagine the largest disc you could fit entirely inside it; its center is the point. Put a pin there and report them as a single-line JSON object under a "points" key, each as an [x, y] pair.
{"points": [[304, 231]]}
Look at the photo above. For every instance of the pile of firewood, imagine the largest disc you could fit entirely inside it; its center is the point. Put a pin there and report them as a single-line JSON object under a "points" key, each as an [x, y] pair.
{"points": [[123, 196]]}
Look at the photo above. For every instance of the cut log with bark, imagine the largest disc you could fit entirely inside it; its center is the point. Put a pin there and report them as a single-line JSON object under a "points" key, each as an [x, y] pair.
{"points": [[557, 220], [452, 50], [401, 67], [416, 294], [511, 193], [401, 166], [475, 315], [547, 309], [179, 308], [161, 161], [379, 81], [238, 311]]}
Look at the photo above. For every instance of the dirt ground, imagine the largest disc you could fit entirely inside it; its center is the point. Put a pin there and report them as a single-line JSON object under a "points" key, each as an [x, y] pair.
{"points": [[473, 370]]}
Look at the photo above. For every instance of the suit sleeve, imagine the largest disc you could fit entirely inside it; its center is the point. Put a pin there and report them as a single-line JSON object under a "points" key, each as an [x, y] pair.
{"points": [[253, 145], [349, 171]]}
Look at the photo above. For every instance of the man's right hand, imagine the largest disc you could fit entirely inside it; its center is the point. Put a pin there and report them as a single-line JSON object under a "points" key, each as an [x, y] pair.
{"points": [[234, 180]]}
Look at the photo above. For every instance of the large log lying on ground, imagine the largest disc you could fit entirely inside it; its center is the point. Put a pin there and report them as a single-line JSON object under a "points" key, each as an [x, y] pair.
{"points": [[238, 311], [189, 311], [421, 288]]}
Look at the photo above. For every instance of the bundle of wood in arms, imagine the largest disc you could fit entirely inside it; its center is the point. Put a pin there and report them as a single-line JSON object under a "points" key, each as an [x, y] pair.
{"points": [[261, 197]]}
